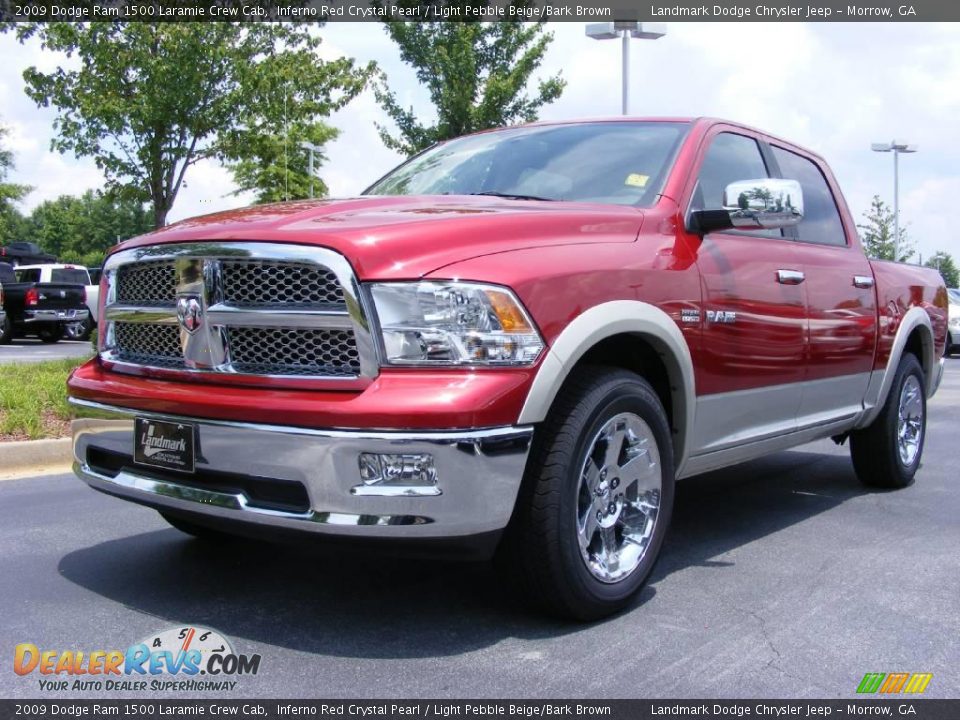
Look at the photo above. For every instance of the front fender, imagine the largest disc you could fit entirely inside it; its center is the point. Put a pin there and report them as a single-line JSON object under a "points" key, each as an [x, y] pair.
{"points": [[619, 317]]}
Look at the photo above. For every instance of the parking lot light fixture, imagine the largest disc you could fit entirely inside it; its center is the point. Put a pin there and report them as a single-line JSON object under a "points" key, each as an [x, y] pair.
{"points": [[896, 147], [625, 31]]}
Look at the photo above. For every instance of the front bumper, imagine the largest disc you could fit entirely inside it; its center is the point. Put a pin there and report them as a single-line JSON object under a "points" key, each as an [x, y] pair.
{"points": [[479, 474], [48, 316]]}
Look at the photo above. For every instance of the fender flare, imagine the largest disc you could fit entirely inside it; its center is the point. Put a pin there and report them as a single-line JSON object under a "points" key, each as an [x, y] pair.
{"points": [[915, 317], [620, 317]]}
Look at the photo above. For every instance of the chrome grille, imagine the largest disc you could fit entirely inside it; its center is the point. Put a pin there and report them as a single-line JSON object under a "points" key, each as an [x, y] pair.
{"points": [[273, 282], [148, 344], [294, 351], [256, 309], [150, 283]]}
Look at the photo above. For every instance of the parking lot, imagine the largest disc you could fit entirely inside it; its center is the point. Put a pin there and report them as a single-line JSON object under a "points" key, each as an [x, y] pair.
{"points": [[32, 350], [783, 577]]}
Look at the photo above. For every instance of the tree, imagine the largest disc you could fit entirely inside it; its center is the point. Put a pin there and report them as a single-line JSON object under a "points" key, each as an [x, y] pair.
{"points": [[278, 167], [10, 194], [943, 262], [81, 229], [151, 99], [877, 233], [476, 75]]}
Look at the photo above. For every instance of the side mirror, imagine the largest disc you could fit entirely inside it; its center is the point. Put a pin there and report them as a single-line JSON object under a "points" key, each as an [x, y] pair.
{"points": [[761, 204]]}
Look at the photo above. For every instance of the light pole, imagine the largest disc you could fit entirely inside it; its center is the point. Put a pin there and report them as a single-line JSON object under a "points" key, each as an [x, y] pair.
{"points": [[625, 31], [896, 147], [312, 149]]}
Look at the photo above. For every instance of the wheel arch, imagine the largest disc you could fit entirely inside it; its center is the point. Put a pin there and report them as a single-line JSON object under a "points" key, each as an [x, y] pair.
{"points": [[629, 334], [915, 336]]}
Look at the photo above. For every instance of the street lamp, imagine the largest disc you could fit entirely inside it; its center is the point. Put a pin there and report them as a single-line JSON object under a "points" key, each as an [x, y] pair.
{"points": [[896, 147], [312, 149], [625, 31]]}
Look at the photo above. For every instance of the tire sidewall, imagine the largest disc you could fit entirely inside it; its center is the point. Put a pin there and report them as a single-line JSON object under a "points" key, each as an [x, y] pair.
{"points": [[622, 395]]}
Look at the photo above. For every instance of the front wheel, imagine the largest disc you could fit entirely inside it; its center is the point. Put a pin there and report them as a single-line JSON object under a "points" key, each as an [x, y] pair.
{"points": [[887, 453], [597, 498]]}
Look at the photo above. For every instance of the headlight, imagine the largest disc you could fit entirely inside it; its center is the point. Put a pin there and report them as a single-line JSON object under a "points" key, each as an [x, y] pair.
{"points": [[454, 323]]}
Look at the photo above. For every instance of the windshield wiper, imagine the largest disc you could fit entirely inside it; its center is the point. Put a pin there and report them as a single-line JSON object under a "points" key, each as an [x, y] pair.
{"points": [[512, 196]]}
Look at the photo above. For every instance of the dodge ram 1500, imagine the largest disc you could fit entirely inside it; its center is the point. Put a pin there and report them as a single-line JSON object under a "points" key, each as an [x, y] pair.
{"points": [[518, 340]]}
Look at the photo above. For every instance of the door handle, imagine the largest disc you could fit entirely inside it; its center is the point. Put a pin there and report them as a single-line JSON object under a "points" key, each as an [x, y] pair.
{"points": [[790, 277], [863, 281]]}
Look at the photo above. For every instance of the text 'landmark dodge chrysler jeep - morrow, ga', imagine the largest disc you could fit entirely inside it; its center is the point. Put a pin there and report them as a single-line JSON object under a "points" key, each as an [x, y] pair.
{"points": [[516, 341]]}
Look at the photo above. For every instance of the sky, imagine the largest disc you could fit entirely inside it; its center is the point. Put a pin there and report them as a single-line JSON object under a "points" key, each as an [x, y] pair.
{"points": [[832, 87]]}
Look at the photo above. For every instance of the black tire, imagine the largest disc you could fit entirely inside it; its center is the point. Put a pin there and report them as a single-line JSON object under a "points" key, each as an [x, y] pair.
{"points": [[50, 334], [875, 449], [6, 330], [542, 546], [201, 532]]}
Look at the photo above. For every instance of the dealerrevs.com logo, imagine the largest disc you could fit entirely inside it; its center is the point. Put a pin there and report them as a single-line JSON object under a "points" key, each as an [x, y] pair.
{"points": [[179, 659]]}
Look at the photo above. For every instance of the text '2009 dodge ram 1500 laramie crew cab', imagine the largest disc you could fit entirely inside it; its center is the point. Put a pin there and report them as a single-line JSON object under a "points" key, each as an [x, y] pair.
{"points": [[517, 340]]}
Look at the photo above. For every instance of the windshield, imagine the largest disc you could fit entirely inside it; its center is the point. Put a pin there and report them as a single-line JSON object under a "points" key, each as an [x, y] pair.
{"points": [[606, 162]]}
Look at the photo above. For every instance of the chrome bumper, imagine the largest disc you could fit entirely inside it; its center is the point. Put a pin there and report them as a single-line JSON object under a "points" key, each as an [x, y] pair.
{"points": [[479, 474], [46, 316]]}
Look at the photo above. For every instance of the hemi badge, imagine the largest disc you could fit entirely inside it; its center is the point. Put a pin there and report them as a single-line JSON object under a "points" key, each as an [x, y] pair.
{"points": [[690, 317]]}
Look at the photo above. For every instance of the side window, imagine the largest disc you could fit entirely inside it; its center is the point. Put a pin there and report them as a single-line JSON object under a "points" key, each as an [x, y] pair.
{"points": [[729, 158], [821, 222], [29, 276]]}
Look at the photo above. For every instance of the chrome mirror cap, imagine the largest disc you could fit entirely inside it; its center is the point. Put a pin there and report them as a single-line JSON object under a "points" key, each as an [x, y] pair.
{"points": [[763, 204]]}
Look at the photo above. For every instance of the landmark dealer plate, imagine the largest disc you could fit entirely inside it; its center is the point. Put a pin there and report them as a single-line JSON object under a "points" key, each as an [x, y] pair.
{"points": [[166, 445]]}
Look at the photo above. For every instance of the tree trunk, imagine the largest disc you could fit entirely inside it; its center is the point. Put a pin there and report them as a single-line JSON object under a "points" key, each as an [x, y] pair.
{"points": [[160, 211]]}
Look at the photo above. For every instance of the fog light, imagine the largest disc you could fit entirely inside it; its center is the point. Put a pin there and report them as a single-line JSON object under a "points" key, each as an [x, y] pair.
{"points": [[398, 470]]}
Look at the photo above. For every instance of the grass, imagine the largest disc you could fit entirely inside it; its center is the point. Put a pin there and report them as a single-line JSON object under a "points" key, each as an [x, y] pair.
{"points": [[33, 399]]}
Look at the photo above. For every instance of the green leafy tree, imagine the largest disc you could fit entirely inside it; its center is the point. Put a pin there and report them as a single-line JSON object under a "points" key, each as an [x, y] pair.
{"points": [[277, 167], [476, 74], [876, 233], [11, 221], [148, 100], [943, 262], [81, 229]]}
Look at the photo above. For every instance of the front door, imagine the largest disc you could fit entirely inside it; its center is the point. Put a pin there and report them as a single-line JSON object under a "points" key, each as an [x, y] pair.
{"points": [[751, 366]]}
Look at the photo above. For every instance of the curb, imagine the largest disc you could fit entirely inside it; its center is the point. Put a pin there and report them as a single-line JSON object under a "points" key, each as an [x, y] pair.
{"points": [[24, 458]]}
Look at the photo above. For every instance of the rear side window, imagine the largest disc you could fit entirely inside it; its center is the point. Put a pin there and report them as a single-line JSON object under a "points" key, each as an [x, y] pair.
{"points": [[821, 222], [69, 275], [729, 158], [28, 275]]}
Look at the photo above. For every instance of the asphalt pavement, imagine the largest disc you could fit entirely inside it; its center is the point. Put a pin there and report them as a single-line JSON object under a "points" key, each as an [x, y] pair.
{"points": [[22, 350], [783, 577]]}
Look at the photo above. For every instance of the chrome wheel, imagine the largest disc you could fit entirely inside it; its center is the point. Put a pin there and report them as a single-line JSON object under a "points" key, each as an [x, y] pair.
{"points": [[619, 497], [910, 420]]}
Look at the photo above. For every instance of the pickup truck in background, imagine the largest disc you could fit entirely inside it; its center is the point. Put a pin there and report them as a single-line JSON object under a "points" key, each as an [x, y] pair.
{"points": [[37, 308], [76, 274], [517, 342], [24, 253]]}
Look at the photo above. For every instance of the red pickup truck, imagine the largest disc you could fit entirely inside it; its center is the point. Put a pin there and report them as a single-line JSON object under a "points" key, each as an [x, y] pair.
{"points": [[517, 341]]}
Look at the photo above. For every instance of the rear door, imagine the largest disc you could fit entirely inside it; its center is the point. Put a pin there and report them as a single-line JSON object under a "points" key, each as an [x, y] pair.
{"points": [[751, 362], [840, 296]]}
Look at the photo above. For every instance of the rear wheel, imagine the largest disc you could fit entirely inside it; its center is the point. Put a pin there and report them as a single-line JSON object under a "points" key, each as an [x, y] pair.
{"points": [[597, 499], [887, 453], [50, 334], [79, 330], [6, 330]]}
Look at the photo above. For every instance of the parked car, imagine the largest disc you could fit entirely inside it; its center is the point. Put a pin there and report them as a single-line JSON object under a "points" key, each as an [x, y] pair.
{"points": [[953, 338], [6, 329], [517, 341], [23, 253], [60, 273], [39, 308]]}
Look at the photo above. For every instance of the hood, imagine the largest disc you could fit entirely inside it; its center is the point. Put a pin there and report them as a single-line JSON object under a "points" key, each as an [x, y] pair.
{"points": [[406, 237]]}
